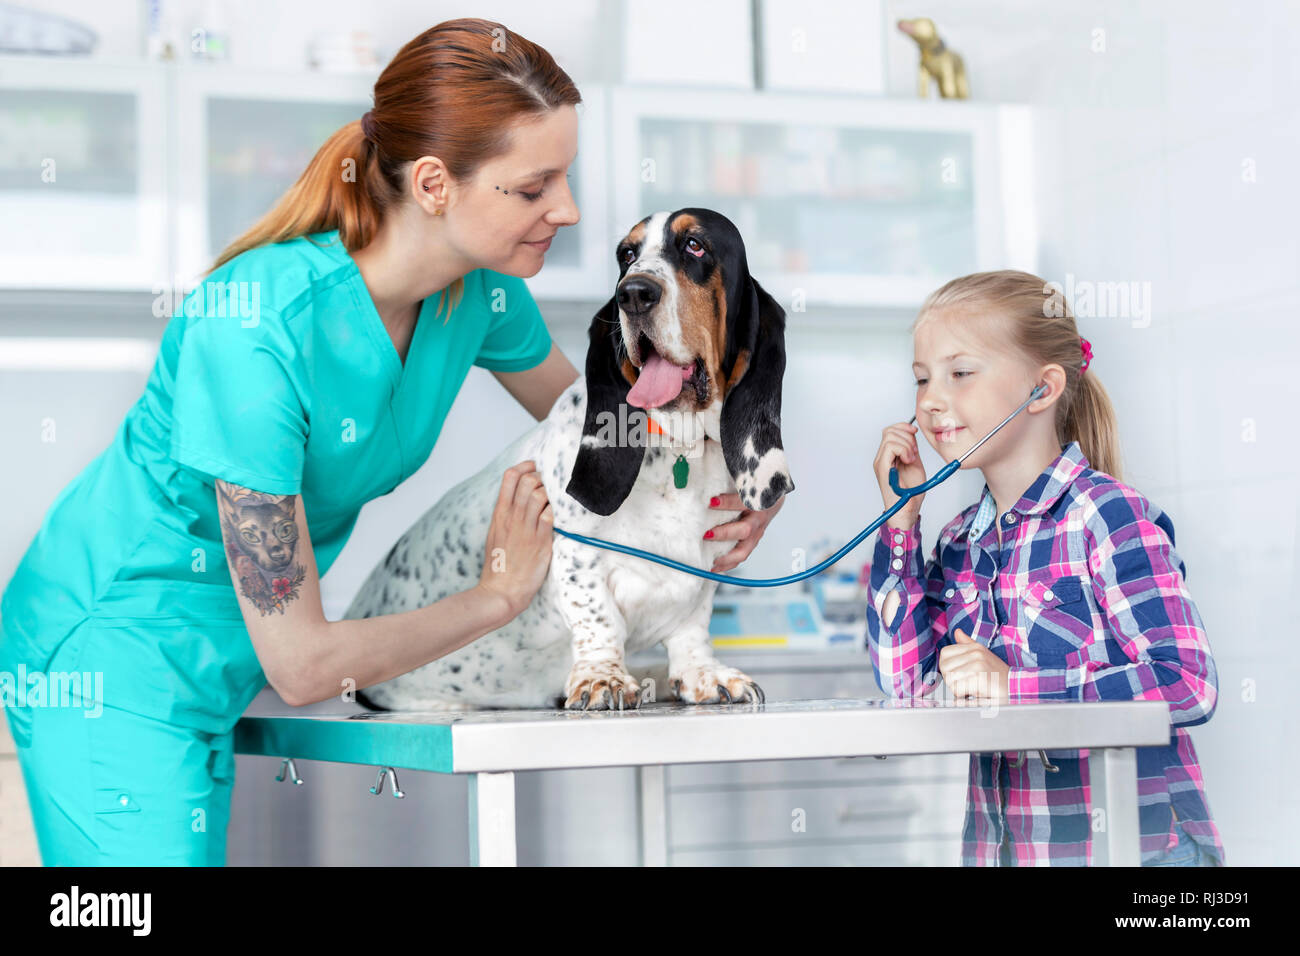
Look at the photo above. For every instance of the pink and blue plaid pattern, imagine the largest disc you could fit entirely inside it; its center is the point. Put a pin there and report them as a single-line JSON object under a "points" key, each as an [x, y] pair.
{"points": [[1084, 598]]}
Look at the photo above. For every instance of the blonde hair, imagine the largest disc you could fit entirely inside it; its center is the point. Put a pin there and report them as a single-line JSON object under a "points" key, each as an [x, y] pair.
{"points": [[451, 92], [1042, 331]]}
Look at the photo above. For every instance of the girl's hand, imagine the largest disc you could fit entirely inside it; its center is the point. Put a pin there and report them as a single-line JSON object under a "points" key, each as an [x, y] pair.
{"points": [[518, 549], [898, 449], [972, 670], [747, 528]]}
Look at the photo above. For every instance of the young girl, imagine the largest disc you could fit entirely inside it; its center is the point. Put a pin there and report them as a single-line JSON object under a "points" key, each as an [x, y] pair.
{"points": [[1060, 583]]}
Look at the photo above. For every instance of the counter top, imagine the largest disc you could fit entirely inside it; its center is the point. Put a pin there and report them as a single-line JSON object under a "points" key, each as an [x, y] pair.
{"points": [[671, 732]]}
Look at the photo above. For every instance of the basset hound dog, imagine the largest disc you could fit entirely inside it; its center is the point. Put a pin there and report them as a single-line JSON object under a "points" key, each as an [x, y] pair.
{"points": [[680, 401]]}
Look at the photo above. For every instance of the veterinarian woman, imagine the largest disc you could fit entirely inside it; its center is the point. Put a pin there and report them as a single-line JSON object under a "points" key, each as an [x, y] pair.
{"points": [[309, 374]]}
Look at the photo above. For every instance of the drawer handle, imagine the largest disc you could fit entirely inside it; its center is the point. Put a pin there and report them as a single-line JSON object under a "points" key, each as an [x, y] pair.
{"points": [[900, 808]]}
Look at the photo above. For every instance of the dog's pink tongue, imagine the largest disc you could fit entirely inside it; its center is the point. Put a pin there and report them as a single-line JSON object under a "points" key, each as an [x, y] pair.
{"points": [[660, 381]]}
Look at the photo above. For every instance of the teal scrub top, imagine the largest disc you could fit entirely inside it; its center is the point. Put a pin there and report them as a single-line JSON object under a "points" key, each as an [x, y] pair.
{"points": [[276, 374]]}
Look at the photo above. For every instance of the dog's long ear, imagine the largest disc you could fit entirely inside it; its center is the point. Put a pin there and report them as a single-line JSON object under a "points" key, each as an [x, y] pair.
{"points": [[751, 409], [607, 462]]}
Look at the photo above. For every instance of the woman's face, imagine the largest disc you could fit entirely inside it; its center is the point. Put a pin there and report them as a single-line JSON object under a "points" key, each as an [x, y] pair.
{"points": [[505, 216], [964, 388]]}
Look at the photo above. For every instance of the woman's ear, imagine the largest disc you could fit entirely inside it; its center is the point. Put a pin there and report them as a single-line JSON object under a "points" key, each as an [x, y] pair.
{"points": [[751, 409], [604, 470]]}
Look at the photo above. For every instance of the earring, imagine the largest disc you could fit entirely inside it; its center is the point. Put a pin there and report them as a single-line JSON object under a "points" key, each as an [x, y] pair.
{"points": [[437, 212]]}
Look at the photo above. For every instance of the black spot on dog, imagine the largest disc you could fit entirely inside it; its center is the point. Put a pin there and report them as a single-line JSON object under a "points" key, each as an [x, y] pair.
{"points": [[773, 491], [455, 668], [455, 687], [365, 701], [460, 567]]}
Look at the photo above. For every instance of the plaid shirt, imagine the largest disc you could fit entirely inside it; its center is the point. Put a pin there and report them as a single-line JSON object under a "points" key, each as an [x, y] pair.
{"points": [[1084, 599]]}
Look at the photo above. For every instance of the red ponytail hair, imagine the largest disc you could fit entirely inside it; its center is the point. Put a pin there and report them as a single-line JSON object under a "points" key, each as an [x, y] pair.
{"points": [[452, 92]]}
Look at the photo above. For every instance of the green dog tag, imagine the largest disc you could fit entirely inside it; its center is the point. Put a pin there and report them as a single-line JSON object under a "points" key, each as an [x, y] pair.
{"points": [[681, 469]]}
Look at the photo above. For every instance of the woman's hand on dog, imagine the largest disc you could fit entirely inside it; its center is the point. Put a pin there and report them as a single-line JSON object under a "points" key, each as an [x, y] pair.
{"points": [[518, 550], [746, 529]]}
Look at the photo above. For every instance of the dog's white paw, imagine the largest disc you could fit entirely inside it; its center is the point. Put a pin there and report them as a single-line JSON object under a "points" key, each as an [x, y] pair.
{"points": [[599, 686], [714, 684]]}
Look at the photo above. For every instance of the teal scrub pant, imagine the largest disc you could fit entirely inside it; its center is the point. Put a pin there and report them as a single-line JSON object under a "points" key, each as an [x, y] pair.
{"points": [[121, 789]]}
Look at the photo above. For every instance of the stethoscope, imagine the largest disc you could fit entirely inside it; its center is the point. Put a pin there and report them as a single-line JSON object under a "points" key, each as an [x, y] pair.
{"points": [[904, 495]]}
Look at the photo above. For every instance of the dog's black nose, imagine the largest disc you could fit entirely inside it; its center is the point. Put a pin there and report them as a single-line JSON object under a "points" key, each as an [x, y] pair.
{"points": [[638, 295]]}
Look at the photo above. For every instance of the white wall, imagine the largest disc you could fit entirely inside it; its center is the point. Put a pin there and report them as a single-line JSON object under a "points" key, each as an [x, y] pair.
{"points": [[1144, 174]]}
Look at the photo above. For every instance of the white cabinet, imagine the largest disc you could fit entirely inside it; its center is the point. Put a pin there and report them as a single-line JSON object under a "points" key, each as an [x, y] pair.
{"points": [[242, 139], [136, 176], [83, 175], [580, 263], [855, 811], [842, 200]]}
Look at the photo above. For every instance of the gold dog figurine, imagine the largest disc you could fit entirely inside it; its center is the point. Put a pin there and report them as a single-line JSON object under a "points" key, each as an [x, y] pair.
{"points": [[936, 60]]}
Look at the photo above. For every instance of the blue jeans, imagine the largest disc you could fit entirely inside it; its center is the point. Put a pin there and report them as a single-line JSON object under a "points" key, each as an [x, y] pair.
{"points": [[1187, 852]]}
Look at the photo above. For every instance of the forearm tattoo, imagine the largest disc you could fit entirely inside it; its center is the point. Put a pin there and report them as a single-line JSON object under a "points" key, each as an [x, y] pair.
{"points": [[261, 535]]}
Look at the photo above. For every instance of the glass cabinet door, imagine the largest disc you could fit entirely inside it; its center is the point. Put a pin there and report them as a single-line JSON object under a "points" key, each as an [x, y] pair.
{"points": [[82, 175], [821, 199], [252, 136], [256, 150], [580, 263], [247, 137], [852, 202]]}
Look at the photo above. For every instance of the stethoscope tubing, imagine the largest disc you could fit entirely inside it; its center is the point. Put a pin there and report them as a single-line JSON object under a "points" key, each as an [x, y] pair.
{"points": [[904, 496]]}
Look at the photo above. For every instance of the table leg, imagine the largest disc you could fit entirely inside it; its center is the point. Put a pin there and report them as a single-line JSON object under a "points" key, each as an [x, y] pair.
{"points": [[492, 819], [1115, 789], [654, 815]]}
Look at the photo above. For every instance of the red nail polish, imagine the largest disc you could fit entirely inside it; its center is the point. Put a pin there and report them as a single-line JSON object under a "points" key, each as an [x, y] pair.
{"points": [[708, 534], [713, 502]]}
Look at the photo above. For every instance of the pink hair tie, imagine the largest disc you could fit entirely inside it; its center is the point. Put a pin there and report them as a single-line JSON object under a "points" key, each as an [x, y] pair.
{"points": [[1086, 346]]}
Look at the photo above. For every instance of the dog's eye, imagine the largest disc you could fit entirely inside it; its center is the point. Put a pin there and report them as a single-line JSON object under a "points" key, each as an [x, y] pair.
{"points": [[627, 255], [694, 248]]}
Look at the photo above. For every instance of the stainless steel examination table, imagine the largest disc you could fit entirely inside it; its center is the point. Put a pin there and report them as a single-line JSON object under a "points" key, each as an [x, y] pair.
{"points": [[493, 745]]}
